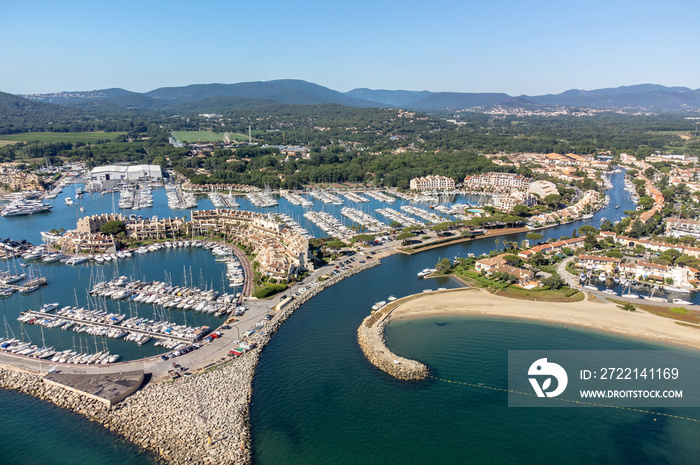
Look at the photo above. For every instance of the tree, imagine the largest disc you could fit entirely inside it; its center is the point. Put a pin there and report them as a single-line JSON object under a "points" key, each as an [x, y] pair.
{"points": [[637, 229], [336, 245], [587, 230], [521, 210], [404, 237], [607, 225], [512, 260], [552, 200], [496, 242], [590, 242], [395, 225], [440, 228], [113, 227], [505, 277], [443, 266], [554, 281], [533, 236], [364, 238]]}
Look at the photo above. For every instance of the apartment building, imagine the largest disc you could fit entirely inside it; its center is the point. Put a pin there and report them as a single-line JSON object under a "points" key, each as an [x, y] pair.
{"points": [[432, 183]]}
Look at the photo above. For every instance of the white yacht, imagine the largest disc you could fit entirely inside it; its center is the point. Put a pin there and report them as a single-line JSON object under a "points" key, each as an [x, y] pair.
{"points": [[426, 272], [683, 290]]}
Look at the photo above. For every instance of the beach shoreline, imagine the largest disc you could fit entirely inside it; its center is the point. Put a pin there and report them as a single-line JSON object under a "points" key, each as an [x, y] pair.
{"points": [[593, 315], [590, 314]]}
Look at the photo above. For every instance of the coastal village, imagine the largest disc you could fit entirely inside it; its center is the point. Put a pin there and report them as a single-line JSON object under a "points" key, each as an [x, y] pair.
{"points": [[227, 240], [635, 259]]}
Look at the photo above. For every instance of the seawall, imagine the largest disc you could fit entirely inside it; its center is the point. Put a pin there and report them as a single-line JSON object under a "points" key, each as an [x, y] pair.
{"points": [[370, 336], [202, 419]]}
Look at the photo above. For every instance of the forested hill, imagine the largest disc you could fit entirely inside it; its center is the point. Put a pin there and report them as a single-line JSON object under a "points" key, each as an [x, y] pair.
{"points": [[216, 97], [18, 114], [289, 91]]}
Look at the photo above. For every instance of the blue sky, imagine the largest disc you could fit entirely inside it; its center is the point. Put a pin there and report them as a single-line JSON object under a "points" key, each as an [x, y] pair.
{"points": [[510, 46]]}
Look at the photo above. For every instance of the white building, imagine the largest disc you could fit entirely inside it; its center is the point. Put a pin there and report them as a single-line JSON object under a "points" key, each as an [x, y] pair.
{"points": [[110, 174], [676, 227], [542, 188], [506, 203], [432, 183], [493, 181]]}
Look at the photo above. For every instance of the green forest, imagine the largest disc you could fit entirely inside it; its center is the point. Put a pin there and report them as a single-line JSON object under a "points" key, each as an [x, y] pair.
{"points": [[373, 146]]}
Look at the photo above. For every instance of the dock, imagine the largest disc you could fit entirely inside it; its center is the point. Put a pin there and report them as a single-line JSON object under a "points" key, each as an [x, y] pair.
{"points": [[86, 322]]}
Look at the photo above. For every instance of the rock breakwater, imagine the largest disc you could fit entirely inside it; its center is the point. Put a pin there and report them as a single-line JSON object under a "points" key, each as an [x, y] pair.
{"points": [[201, 419], [370, 336]]}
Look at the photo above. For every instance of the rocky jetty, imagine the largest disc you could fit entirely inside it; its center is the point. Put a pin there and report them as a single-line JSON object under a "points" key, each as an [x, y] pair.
{"points": [[370, 336], [201, 419]]}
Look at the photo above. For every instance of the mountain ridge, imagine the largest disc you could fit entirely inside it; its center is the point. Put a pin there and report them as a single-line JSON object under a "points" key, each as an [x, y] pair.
{"points": [[650, 97]]}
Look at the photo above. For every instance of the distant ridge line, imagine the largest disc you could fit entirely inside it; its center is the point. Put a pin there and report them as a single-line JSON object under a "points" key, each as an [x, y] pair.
{"points": [[650, 97]]}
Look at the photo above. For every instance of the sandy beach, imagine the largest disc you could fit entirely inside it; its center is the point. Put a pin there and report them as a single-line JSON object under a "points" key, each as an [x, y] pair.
{"points": [[589, 314]]}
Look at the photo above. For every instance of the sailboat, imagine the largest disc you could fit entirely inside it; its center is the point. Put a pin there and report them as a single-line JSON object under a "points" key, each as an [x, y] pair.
{"points": [[588, 215], [626, 292]]}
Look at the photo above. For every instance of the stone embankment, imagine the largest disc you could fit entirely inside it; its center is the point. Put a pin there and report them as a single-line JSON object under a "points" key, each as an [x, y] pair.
{"points": [[370, 336], [202, 419]]}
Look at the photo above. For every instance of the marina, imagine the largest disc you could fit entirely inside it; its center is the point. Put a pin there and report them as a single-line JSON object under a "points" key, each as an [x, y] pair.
{"points": [[168, 296], [223, 201], [112, 325], [396, 268], [326, 197], [296, 199], [262, 199], [179, 199]]}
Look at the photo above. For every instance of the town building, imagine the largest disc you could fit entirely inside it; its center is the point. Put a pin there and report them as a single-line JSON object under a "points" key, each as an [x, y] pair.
{"points": [[542, 188], [677, 227], [432, 183], [506, 203], [491, 265], [496, 182], [93, 223], [155, 228], [280, 251], [77, 241]]}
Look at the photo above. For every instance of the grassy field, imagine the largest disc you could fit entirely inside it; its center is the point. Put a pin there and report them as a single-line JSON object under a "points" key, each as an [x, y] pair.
{"points": [[205, 136], [59, 137], [564, 294]]}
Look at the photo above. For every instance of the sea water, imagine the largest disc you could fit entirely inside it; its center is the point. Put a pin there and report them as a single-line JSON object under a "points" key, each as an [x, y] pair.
{"points": [[317, 400]]}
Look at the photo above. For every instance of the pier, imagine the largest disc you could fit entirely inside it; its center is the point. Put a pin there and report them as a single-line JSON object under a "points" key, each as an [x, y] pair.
{"points": [[106, 326]]}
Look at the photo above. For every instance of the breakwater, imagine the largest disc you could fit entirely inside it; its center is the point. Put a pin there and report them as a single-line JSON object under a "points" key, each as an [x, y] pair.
{"points": [[201, 419], [370, 336]]}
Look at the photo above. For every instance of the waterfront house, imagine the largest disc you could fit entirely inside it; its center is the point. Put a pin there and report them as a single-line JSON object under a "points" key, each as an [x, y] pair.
{"points": [[598, 263]]}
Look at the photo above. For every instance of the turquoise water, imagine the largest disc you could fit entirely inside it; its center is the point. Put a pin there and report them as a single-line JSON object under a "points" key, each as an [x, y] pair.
{"points": [[317, 400]]}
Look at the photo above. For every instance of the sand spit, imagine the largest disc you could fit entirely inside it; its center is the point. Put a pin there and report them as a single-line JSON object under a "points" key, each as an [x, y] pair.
{"points": [[595, 315]]}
